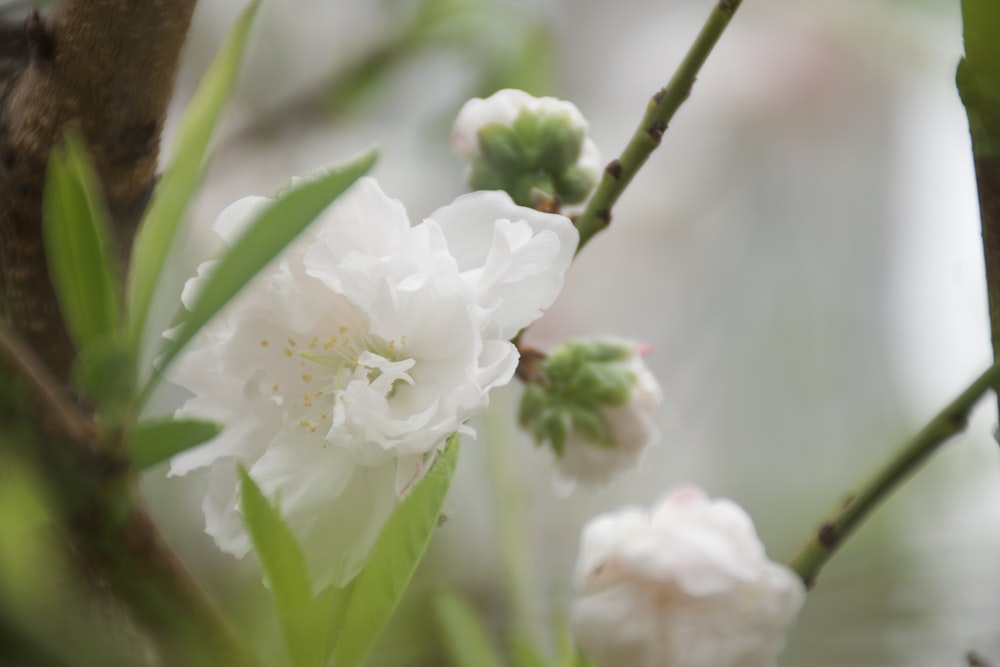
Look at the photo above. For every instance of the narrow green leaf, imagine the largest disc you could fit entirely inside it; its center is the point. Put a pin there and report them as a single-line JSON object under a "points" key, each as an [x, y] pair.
{"points": [[284, 567], [104, 372], [264, 239], [525, 654], [395, 557], [466, 640], [77, 243], [176, 187], [157, 440]]}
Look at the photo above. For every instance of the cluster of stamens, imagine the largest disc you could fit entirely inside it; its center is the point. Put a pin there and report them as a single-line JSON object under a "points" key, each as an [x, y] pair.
{"points": [[339, 358]]}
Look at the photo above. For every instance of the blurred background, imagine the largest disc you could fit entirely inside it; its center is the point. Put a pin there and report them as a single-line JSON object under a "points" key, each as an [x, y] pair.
{"points": [[802, 253]]}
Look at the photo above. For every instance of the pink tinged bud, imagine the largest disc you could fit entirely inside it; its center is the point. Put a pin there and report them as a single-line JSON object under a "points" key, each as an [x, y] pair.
{"points": [[632, 427]]}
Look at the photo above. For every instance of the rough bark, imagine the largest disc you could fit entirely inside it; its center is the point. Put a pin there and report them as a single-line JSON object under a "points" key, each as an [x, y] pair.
{"points": [[107, 66]]}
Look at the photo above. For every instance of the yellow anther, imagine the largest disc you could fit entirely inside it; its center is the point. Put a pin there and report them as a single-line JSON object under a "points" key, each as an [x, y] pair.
{"points": [[288, 352], [291, 341], [306, 377], [343, 329], [264, 343]]}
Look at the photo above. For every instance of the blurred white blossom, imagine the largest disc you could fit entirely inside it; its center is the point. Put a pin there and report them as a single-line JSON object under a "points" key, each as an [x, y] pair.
{"points": [[687, 584], [343, 367], [517, 142]]}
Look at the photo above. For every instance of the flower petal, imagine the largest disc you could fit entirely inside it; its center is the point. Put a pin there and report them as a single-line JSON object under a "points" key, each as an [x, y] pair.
{"points": [[508, 252]]}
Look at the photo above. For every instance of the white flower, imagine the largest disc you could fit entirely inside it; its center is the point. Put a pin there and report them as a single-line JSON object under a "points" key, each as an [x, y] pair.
{"points": [[340, 370], [631, 429], [686, 585]]}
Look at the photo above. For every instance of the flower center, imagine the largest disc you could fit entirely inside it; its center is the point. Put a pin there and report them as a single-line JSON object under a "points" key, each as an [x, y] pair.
{"points": [[327, 366]]}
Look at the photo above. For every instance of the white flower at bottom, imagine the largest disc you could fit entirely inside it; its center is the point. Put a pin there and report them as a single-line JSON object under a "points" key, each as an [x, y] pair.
{"points": [[685, 585], [342, 368]]}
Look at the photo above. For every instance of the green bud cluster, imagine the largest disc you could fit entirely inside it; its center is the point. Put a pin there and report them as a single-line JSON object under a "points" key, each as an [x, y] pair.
{"points": [[583, 378], [539, 151]]}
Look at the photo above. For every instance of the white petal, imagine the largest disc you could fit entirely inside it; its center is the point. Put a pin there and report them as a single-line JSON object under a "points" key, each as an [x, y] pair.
{"points": [[679, 588], [340, 535], [223, 520], [235, 218], [509, 252]]}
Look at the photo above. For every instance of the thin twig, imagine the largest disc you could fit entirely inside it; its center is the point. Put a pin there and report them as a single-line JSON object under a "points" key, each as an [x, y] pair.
{"points": [[619, 172], [910, 456], [70, 420]]}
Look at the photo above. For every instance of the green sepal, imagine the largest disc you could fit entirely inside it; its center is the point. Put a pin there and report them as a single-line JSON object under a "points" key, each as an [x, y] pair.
{"points": [[483, 176], [523, 188], [555, 428], [528, 128], [560, 143], [588, 423], [600, 384], [500, 148], [574, 184], [534, 400]]}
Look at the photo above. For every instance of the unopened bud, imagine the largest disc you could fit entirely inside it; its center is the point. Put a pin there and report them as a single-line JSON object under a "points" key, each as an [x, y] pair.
{"points": [[597, 410], [527, 145]]}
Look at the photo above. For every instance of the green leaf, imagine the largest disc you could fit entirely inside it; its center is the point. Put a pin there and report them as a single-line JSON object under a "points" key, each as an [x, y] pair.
{"points": [[466, 640], [524, 654], [264, 239], [104, 372], [285, 570], [395, 557], [157, 440], [176, 187], [78, 245]]}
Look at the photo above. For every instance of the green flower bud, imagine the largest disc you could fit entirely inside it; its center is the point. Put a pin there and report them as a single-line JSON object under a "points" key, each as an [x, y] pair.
{"points": [[519, 143], [596, 409], [500, 148]]}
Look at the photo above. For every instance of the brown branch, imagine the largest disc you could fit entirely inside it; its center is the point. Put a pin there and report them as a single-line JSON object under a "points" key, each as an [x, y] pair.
{"points": [[107, 66], [52, 400]]}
